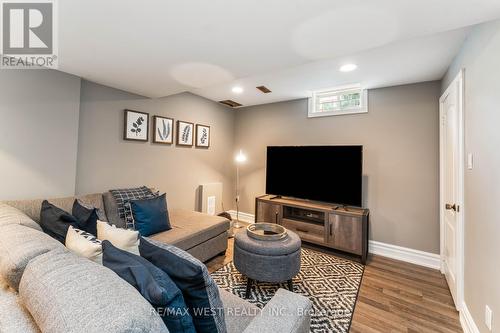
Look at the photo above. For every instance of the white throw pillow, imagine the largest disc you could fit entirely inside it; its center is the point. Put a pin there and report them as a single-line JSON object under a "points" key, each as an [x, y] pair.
{"points": [[124, 239], [84, 244]]}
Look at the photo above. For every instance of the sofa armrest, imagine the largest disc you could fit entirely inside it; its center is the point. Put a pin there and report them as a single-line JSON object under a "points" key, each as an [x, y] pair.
{"points": [[286, 312]]}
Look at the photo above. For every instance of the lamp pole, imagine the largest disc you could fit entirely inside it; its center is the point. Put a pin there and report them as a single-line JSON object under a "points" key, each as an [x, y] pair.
{"points": [[237, 224], [240, 158]]}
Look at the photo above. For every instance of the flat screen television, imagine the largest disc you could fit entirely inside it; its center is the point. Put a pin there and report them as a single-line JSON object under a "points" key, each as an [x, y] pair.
{"points": [[321, 173]]}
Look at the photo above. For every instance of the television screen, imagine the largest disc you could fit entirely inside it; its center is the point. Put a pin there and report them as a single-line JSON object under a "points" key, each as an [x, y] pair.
{"points": [[322, 173]]}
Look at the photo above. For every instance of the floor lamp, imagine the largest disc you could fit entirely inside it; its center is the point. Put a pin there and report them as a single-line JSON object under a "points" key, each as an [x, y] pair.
{"points": [[240, 159]]}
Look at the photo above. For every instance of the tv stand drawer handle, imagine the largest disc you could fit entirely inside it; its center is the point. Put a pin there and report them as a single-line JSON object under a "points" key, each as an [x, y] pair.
{"points": [[301, 230]]}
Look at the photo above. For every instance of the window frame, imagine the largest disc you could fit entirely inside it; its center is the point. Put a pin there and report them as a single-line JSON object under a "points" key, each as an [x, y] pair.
{"points": [[363, 108]]}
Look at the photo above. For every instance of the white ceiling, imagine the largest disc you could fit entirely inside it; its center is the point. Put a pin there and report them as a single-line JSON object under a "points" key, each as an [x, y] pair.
{"points": [[158, 48], [416, 60]]}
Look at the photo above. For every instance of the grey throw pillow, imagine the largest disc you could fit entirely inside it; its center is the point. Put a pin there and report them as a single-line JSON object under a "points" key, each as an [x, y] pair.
{"points": [[122, 198]]}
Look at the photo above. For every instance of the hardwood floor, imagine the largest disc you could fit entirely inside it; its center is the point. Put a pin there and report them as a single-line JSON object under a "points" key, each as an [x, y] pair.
{"points": [[399, 297], [394, 297]]}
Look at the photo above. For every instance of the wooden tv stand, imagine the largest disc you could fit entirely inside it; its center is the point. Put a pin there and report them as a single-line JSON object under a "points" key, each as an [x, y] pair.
{"points": [[337, 227]]}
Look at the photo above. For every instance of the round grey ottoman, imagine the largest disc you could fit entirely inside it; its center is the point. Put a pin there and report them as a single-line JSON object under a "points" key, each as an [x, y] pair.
{"points": [[267, 261]]}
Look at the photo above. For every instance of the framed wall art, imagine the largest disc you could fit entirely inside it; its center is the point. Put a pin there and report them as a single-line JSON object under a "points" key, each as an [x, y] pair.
{"points": [[163, 130], [202, 136], [185, 133], [136, 126]]}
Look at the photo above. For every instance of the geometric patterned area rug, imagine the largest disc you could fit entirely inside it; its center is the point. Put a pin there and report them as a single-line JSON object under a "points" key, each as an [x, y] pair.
{"points": [[330, 282]]}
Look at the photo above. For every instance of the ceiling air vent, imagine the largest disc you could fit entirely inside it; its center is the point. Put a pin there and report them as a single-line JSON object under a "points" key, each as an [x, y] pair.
{"points": [[264, 89], [230, 103]]}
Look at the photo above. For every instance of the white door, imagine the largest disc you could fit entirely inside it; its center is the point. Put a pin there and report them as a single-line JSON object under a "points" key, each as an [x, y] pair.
{"points": [[451, 182]]}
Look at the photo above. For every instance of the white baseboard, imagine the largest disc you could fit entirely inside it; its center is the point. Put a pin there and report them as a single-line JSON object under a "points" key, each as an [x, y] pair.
{"points": [[387, 250], [244, 217], [417, 257], [468, 324]]}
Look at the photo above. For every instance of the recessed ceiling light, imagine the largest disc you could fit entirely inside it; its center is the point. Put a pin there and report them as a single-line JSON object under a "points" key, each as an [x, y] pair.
{"points": [[237, 90], [348, 67]]}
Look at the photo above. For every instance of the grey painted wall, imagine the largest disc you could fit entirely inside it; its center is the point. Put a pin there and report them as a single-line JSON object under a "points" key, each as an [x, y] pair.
{"points": [[38, 147], [38, 133], [480, 57], [106, 161], [39, 154], [400, 135]]}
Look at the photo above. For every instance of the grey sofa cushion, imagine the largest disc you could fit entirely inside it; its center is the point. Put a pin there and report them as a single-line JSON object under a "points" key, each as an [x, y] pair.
{"points": [[210, 248], [111, 208], [32, 207], [14, 318], [66, 293], [191, 228], [19, 245], [11, 215], [285, 312], [238, 312], [294, 314]]}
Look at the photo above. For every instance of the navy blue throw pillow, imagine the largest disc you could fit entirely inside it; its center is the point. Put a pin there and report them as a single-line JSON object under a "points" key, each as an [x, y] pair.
{"points": [[87, 217], [150, 215], [191, 276], [153, 284], [55, 221]]}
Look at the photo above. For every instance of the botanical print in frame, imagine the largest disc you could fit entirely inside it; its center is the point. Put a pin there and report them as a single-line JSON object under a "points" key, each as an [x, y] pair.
{"points": [[185, 133], [136, 126], [163, 130], [202, 136]]}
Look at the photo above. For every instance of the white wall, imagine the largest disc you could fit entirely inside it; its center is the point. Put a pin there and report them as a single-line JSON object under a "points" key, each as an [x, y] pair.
{"points": [[480, 57], [38, 133]]}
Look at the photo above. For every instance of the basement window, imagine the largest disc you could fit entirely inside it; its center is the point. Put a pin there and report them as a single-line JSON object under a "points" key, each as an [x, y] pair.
{"points": [[338, 101]]}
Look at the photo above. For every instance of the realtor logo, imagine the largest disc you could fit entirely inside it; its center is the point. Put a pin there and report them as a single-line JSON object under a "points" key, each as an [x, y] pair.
{"points": [[28, 30]]}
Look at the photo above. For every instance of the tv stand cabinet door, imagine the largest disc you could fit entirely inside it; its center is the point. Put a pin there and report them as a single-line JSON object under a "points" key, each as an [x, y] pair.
{"points": [[346, 233], [268, 212]]}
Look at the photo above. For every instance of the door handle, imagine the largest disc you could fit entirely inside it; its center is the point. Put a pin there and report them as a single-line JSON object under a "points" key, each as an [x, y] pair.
{"points": [[453, 207], [276, 217]]}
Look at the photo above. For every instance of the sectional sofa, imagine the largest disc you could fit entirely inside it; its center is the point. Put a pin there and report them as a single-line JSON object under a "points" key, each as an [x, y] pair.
{"points": [[203, 236], [46, 288]]}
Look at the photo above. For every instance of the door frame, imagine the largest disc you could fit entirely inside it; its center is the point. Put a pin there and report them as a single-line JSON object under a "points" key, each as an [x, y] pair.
{"points": [[461, 180]]}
